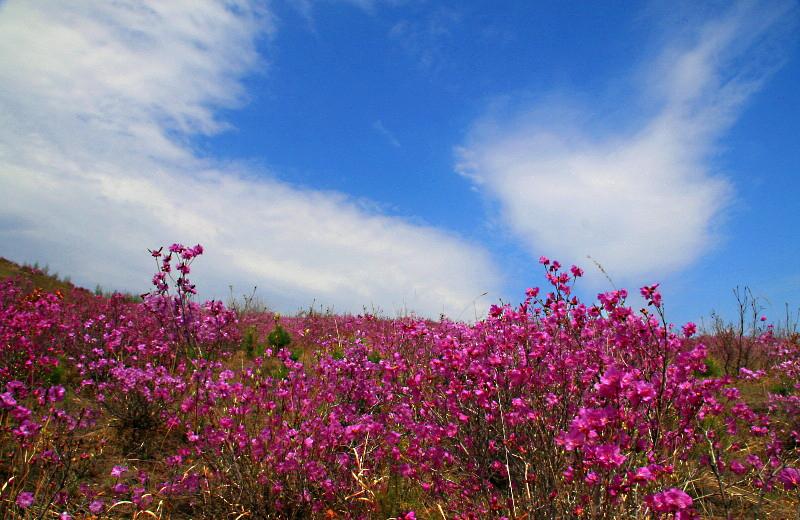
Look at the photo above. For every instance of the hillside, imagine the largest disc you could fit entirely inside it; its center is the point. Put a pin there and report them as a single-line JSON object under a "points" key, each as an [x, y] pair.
{"points": [[37, 278], [173, 409]]}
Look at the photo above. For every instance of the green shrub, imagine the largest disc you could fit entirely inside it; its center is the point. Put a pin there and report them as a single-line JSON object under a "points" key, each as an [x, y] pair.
{"points": [[781, 388], [250, 343], [57, 375], [279, 338]]}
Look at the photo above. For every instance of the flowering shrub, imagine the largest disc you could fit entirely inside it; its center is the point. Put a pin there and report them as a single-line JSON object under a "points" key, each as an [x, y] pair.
{"points": [[554, 408]]}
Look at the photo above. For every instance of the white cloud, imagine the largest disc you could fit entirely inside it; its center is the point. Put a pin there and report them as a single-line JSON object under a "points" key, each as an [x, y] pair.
{"points": [[98, 102], [643, 201]]}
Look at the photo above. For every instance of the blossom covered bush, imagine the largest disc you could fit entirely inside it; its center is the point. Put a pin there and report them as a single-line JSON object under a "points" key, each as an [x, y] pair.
{"points": [[554, 408]]}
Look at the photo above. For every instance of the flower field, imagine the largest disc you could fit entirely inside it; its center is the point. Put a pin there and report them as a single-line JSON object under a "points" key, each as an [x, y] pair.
{"points": [[113, 407]]}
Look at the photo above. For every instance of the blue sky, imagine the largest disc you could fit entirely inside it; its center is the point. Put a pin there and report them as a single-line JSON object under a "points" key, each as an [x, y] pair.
{"points": [[406, 154]]}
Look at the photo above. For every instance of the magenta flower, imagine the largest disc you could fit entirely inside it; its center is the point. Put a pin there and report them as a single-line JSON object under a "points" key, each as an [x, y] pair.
{"points": [[790, 478], [591, 478], [56, 394], [118, 471], [748, 374], [609, 456], [651, 294], [27, 429], [25, 500], [7, 400], [689, 329], [737, 467], [669, 501], [644, 474]]}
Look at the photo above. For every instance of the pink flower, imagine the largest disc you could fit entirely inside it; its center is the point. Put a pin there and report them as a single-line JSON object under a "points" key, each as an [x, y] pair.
{"points": [[754, 461], [118, 471], [609, 456], [7, 400], [737, 467], [689, 329], [141, 499], [25, 500], [119, 488], [96, 507], [790, 478], [609, 382], [55, 394], [651, 294], [748, 374], [26, 429], [644, 474], [669, 501], [641, 392], [572, 439]]}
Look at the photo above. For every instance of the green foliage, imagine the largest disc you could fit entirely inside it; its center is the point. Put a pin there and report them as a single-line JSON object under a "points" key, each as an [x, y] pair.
{"points": [[250, 343], [712, 369], [279, 338], [781, 388], [57, 375], [375, 357], [279, 371]]}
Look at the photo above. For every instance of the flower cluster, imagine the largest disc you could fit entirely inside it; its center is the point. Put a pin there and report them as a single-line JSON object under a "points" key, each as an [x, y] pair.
{"points": [[553, 408]]}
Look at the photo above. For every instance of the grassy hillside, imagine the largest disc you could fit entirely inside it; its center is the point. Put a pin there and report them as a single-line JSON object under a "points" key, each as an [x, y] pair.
{"points": [[172, 409], [34, 277], [38, 278]]}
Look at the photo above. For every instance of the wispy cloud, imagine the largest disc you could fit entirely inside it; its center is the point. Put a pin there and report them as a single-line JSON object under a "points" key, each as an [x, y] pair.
{"points": [[98, 104], [643, 198], [426, 38], [379, 127], [305, 8]]}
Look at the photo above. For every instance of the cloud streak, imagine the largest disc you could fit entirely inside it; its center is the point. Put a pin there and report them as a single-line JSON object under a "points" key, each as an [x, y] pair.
{"points": [[98, 105], [643, 200], [379, 127]]}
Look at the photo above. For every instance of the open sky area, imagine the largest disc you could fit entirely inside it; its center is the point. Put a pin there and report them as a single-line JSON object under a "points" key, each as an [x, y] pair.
{"points": [[407, 155]]}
